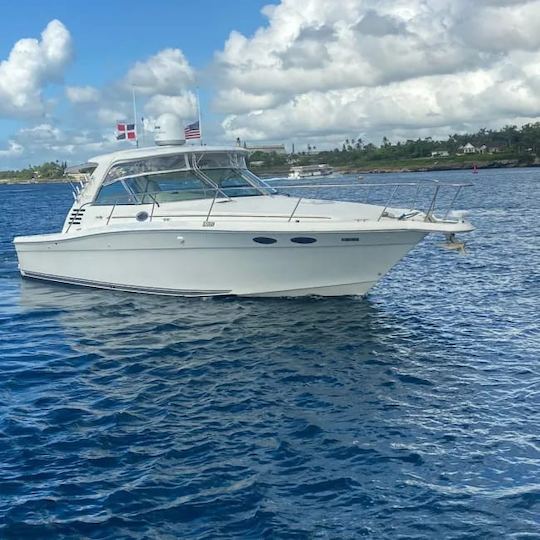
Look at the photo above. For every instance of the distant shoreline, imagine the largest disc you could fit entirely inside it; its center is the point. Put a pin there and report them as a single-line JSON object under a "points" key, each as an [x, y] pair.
{"points": [[406, 167], [11, 181], [397, 167]]}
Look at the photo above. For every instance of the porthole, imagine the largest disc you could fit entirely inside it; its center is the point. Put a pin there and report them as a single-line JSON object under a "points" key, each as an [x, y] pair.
{"points": [[303, 240], [351, 239], [264, 240], [142, 216]]}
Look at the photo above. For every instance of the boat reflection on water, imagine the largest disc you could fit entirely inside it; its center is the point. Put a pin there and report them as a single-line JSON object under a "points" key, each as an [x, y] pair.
{"points": [[123, 326]]}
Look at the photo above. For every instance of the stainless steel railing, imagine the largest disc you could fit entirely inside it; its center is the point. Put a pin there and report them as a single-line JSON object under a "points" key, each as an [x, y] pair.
{"points": [[435, 184], [394, 188]]}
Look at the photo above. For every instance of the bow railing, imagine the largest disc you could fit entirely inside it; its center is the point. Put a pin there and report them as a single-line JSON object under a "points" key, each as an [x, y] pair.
{"points": [[411, 193]]}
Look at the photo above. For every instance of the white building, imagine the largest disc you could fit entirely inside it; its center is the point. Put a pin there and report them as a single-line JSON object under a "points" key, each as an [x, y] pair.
{"points": [[469, 149], [268, 149], [440, 153]]}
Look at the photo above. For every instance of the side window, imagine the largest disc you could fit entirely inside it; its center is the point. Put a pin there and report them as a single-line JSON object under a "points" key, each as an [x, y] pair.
{"points": [[179, 186], [231, 182], [114, 193]]}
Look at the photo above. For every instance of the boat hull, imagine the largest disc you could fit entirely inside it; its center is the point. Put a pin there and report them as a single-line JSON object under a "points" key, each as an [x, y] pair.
{"points": [[213, 263]]}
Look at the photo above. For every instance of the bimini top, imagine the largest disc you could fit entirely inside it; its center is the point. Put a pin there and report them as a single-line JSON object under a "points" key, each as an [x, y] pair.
{"points": [[160, 162]]}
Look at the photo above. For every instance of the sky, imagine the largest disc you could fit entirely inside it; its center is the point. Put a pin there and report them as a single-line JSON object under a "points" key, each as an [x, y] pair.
{"points": [[297, 71]]}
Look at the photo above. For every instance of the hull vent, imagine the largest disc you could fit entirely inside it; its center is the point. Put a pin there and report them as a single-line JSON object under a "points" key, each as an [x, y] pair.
{"points": [[76, 216]]}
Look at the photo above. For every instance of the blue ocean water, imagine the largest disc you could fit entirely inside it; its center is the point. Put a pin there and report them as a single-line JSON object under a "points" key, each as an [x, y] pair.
{"points": [[412, 413]]}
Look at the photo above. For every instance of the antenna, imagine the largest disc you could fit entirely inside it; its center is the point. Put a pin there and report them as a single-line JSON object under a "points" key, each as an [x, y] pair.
{"points": [[135, 116], [200, 122]]}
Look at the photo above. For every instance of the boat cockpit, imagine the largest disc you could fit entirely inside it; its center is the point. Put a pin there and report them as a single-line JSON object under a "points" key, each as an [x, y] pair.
{"points": [[184, 176]]}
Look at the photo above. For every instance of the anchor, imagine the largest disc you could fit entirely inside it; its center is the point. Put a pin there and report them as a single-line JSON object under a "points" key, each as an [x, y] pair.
{"points": [[453, 244]]}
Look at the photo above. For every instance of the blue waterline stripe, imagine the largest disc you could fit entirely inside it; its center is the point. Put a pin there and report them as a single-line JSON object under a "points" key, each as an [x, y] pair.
{"points": [[127, 288]]}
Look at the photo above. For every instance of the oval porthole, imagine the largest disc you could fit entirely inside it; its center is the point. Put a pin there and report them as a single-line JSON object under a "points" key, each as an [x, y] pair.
{"points": [[142, 216], [303, 240], [264, 240]]}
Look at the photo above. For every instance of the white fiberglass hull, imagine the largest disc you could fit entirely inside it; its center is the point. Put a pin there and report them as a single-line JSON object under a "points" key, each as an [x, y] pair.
{"points": [[208, 263]]}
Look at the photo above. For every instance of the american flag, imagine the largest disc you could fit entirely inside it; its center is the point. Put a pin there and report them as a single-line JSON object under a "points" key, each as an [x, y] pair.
{"points": [[125, 131], [192, 131]]}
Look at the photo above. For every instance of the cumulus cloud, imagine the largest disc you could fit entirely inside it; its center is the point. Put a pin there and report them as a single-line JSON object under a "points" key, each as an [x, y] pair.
{"points": [[501, 27], [183, 105], [399, 66], [45, 141], [31, 65], [14, 149], [161, 84], [82, 94], [167, 73]]}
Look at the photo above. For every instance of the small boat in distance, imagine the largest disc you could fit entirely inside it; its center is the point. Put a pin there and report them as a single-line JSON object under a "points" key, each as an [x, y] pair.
{"points": [[195, 221], [308, 171]]}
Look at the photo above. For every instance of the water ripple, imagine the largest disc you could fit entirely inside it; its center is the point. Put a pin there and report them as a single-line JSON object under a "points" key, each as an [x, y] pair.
{"points": [[410, 414]]}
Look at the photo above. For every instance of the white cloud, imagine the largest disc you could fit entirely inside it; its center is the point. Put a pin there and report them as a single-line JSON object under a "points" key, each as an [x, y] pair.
{"points": [[401, 68], [109, 115], [168, 72], [161, 83], [45, 141], [503, 27], [14, 149], [373, 66], [41, 133], [183, 105], [236, 100], [83, 94], [30, 66]]}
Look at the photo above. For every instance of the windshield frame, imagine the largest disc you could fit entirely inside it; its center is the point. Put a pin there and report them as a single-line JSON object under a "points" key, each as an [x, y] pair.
{"points": [[236, 161]]}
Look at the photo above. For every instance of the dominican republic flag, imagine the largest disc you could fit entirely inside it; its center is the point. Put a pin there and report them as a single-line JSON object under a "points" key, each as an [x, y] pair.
{"points": [[192, 131], [125, 132]]}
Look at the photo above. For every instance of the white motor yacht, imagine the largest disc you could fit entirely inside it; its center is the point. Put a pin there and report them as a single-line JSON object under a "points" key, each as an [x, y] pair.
{"points": [[308, 171], [194, 221]]}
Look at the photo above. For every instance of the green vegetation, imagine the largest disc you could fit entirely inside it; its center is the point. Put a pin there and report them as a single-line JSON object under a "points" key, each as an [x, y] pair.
{"points": [[272, 160], [47, 171], [508, 146]]}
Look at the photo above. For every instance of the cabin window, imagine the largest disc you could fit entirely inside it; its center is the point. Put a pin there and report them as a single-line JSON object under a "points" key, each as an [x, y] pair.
{"points": [[220, 160], [264, 240], [147, 164], [303, 240], [114, 193], [177, 186]]}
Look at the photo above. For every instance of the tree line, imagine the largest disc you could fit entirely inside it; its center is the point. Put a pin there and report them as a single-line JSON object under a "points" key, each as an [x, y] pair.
{"points": [[49, 169], [508, 142]]}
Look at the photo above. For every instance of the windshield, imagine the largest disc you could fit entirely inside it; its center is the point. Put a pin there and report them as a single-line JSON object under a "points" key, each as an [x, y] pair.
{"points": [[231, 182], [181, 186]]}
